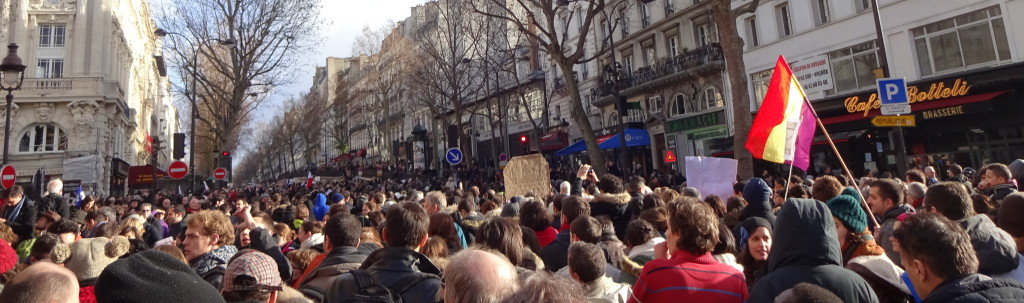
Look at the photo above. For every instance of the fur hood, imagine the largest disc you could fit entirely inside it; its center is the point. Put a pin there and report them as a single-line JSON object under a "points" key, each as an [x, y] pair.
{"points": [[615, 199]]}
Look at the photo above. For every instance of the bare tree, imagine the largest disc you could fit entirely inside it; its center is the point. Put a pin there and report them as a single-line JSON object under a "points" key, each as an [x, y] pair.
{"points": [[385, 77], [732, 49], [266, 36]]}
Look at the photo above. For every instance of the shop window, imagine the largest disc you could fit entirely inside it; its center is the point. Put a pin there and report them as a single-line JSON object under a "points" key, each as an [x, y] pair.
{"points": [[970, 40], [711, 99], [678, 106], [853, 67], [41, 138]]}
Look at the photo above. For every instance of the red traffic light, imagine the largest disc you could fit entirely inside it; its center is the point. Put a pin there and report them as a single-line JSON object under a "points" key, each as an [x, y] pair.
{"points": [[225, 154], [522, 139]]}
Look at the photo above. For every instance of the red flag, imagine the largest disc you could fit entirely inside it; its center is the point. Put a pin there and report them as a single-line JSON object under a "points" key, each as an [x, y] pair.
{"points": [[309, 180]]}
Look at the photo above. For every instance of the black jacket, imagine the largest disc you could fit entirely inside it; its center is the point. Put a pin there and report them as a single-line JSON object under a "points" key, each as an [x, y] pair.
{"points": [[616, 207], [996, 250], [555, 255], [388, 267], [338, 261], [263, 241], [24, 224], [805, 249], [56, 203], [976, 288], [759, 201]]}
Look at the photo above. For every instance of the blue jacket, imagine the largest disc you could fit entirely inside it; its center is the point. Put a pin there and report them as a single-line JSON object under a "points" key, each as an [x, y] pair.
{"points": [[320, 208]]}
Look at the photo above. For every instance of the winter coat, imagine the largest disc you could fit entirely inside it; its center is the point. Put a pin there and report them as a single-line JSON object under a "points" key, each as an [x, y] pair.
{"points": [[759, 201], [264, 242], [56, 203], [888, 222], [996, 250], [211, 266], [320, 208], [1001, 191], [805, 249], [338, 261], [616, 207], [869, 261], [389, 267], [546, 236], [555, 255], [23, 223], [604, 290], [976, 288]]}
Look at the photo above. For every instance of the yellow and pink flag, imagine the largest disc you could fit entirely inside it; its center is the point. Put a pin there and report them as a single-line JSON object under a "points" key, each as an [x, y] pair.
{"points": [[784, 127]]}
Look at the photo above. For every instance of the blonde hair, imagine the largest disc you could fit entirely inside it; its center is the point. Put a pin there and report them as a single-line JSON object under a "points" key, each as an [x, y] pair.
{"points": [[134, 224], [210, 222], [171, 250]]}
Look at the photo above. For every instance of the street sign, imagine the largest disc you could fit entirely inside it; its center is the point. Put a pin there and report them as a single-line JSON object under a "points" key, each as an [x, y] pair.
{"points": [[502, 157], [7, 176], [177, 170], [670, 157], [220, 173], [894, 121], [895, 109], [892, 91], [453, 155]]}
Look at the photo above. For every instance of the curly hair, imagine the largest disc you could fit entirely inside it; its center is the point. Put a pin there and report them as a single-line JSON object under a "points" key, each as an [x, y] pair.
{"points": [[534, 215], [695, 223], [212, 222]]}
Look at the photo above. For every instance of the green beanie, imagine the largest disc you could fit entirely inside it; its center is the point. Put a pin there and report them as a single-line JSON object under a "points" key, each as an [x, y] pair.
{"points": [[848, 210], [852, 192]]}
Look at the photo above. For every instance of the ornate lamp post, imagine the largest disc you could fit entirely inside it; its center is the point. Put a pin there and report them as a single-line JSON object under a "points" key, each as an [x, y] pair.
{"points": [[13, 75]]}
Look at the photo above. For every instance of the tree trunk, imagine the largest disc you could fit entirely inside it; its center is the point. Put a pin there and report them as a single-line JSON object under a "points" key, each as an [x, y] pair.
{"points": [[732, 49], [597, 159]]}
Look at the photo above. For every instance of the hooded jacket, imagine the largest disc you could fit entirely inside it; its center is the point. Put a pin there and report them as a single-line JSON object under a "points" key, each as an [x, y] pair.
{"points": [[888, 223], [997, 253], [320, 207], [759, 201], [805, 249], [616, 207], [976, 288], [395, 268], [555, 255], [338, 261]]}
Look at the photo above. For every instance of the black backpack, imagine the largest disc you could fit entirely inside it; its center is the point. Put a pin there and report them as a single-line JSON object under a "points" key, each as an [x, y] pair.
{"points": [[369, 291]]}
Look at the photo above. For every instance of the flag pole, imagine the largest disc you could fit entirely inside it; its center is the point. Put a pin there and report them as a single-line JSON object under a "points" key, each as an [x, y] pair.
{"points": [[849, 174], [790, 177]]}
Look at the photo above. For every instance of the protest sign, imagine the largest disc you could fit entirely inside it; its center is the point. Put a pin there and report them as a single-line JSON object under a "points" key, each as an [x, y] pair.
{"points": [[711, 176], [526, 174]]}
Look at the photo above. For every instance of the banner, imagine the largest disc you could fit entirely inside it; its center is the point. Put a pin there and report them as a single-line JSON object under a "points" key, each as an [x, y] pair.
{"points": [[711, 176]]}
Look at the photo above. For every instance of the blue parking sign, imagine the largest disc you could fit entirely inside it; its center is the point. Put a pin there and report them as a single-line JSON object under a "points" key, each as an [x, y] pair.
{"points": [[892, 91]]}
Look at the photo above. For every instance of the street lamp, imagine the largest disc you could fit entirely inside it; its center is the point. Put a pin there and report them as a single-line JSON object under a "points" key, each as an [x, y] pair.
{"points": [[191, 97], [13, 75]]}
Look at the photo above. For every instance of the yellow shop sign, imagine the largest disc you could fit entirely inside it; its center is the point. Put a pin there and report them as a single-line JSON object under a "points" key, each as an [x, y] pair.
{"points": [[935, 91]]}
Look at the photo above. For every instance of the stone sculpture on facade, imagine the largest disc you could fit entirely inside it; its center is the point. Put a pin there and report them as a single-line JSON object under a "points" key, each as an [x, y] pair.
{"points": [[83, 117]]}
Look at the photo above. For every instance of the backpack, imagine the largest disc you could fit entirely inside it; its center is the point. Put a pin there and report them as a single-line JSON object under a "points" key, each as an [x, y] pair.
{"points": [[369, 291]]}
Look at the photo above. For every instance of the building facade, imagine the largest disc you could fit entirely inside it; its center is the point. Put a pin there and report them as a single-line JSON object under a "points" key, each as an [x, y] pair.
{"points": [[95, 95]]}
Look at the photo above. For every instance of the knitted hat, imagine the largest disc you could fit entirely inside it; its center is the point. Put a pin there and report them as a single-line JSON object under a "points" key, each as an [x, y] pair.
{"points": [[153, 277], [8, 257], [90, 256], [252, 270], [511, 210], [848, 210], [336, 197], [1011, 215], [60, 253], [747, 228], [852, 192]]}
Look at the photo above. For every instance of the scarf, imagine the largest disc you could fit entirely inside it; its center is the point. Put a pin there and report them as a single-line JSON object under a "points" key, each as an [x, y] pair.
{"points": [[16, 211], [213, 259], [312, 241]]}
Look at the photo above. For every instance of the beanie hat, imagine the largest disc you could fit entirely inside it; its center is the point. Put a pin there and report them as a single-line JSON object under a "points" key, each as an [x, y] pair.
{"points": [[1009, 217], [747, 228], [848, 210], [90, 256], [852, 192], [252, 270], [153, 277], [336, 197], [60, 253], [8, 257], [511, 210]]}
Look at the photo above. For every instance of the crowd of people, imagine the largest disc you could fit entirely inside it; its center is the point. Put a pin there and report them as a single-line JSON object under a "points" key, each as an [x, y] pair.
{"points": [[590, 239]]}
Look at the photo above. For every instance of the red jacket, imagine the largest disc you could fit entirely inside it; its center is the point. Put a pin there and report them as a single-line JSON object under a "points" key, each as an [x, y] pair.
{"points": [[546, 236], [689, 278]]}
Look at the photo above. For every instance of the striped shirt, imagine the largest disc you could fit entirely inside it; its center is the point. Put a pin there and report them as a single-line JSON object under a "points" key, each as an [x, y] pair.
{"points": [[689, 278]]}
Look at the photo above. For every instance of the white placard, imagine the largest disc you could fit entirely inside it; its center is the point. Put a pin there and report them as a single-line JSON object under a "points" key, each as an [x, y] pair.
{"points": [[711, 176]]}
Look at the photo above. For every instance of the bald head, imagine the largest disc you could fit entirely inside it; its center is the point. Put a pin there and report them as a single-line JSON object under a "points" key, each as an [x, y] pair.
{"points": [[43, 282], [475, 275]]}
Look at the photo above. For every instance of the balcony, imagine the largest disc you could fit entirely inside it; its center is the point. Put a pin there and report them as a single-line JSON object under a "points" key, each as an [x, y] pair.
{"points": [[665, 71], [66, 87]]}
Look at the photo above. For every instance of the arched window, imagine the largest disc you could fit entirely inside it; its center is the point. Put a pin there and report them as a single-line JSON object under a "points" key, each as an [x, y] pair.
{"points": [[711, 99], [42, 138], [613, 119], [677, 106]]}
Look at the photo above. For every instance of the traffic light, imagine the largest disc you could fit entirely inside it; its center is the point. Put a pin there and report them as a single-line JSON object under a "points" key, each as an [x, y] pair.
{"points": [[225, 154], [179, 146], [522, 139], [524, 143], [225, 159]]}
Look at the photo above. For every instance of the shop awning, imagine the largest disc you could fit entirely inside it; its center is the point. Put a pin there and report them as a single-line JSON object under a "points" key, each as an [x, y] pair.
{"points": [[554, 140], [634, 137]]}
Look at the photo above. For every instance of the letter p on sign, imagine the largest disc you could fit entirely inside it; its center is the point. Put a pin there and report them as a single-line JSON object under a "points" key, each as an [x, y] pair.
{"points": [[892, 91]]}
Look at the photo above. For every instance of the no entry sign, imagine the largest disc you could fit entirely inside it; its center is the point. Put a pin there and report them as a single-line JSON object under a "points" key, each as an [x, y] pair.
{"points": [[7, 176], [177, 170], [220, 173]]}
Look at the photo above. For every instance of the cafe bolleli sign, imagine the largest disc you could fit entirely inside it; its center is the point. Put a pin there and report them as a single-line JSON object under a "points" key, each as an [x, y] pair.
{"points": [[917, 94]]}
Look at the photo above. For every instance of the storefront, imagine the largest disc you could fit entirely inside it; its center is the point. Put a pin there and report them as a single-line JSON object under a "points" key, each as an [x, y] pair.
{"points": [[694, 135], [119, 171]]}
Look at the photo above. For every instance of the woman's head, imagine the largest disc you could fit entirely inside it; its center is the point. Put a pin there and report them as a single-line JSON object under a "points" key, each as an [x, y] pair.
{"points": [[758, 239], [534, 215], [639, 232], [503, 235], [442, 225]]}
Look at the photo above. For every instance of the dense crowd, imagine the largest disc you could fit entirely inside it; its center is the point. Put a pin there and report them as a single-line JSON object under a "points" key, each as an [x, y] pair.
{"points": [[593, 238]]}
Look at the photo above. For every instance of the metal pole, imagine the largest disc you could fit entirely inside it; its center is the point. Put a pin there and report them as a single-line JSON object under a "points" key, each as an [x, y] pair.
{"points": [[7, 123], [192, 138], [901, 145]]}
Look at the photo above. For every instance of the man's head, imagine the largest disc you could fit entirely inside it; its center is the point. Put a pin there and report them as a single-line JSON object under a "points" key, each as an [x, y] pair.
{"points": [[884, 194], [949, 199], [954, 170], [342, 230], [308, 229], [42, 282], [251, 276], [692, 226], [586, 262], [41, 249], [207, 230], [406, 225], [914, 175], [585, 229], [175, 214], [572, 208], [995, 174], [14, 195], [611, 184], [825, 188], [475, 275], [932, 249], [146, 210], [65, 229], [929, 172], [915, 192], [636, 184], [55, 186], [434, 201]]}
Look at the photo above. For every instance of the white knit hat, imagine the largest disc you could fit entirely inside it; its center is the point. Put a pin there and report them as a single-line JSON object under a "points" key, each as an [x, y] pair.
{"points": [[90, 256]]}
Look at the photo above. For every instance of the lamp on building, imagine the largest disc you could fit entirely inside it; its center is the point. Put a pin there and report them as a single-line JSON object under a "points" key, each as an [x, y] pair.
{"points": [[13, 72]]}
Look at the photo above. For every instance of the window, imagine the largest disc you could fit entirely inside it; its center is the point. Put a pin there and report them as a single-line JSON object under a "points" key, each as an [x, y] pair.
{"points": [[751, 24], [822, 11], [704, 33], [52, 35], [970, 40], [558, 112], [760, 81], [627, 60], [645, 14], [669, 8], [625, 22], [782, 17], [853, 67], [673, 46], [863, 5], [579, 20], [604, 31], [678, 106], [649, 56], [43, 138], [655, 104], [636, 115], [50, 68], [585, 66], [711, 99]]}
